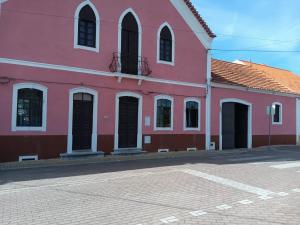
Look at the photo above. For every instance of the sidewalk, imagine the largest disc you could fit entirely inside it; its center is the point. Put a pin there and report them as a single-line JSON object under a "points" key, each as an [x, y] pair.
{"points": [[109, 158], [114, 158]]}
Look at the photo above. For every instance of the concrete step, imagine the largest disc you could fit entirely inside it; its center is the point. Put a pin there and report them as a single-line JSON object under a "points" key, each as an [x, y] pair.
{"points": [[128, 151], [81, 154]]}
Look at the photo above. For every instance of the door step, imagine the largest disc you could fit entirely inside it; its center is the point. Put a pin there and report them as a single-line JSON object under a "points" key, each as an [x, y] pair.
{"points": [[128, 151], [81, 154]]}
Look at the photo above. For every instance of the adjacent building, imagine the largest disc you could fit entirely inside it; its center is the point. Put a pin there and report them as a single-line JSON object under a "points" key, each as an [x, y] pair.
{"points": [[253, 105]]}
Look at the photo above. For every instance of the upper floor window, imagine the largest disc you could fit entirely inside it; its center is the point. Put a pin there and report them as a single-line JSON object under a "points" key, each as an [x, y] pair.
{"points": [[29, 107], [87, 27], [166, 45], [277, 113], [163, 113], [191, 114]]}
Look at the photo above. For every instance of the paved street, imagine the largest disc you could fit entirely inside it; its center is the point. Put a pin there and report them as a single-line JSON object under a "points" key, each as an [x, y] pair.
{"points": [[250, 188]]}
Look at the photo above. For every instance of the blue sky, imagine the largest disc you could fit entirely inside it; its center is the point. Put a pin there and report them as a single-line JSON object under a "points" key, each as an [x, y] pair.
{"points": [[255, 24]]}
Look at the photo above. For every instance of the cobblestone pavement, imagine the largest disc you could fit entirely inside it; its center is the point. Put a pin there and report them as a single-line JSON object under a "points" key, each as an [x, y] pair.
{"points": [[249, 188]]}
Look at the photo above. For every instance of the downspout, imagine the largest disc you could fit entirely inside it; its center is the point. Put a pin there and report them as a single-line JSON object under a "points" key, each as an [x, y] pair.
{"points": [[208, 103]]}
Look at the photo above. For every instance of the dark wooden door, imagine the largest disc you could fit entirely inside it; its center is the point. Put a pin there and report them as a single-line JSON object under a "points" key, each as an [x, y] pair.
{"points": [[82, 121], [130, 45], [128, 122], [241, 126], [228, 125]]}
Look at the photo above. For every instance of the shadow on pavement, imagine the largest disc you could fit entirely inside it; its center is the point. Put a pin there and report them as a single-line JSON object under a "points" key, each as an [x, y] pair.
{"points": [[280, 156]]}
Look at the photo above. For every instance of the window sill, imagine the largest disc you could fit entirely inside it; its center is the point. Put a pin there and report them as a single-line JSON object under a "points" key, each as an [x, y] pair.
{"points": [[277, 124], [192, 129], [163, 129], [86, 48], [28, 129], [166, 63]]}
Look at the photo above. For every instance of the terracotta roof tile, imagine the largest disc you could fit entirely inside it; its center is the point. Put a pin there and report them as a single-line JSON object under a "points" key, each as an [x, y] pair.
{"points": [[289, 79], [199, 18], [255, 77]]}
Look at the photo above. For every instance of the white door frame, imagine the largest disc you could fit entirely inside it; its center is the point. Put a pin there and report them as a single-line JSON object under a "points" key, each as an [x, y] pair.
{"points": [[235, 100], [95, 117], [140, 114]]}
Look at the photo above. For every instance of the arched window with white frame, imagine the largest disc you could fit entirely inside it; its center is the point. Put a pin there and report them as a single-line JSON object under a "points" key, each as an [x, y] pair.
{"points": [[163, 112], [29, 110], [277, 113], [86, 27], [165, 44], [191, 114]]}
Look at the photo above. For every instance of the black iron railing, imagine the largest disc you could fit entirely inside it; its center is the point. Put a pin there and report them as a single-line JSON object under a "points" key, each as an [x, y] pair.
{"points": [[130, 64]]}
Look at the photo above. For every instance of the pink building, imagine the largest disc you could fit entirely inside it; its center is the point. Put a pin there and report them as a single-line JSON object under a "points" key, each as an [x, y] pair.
{"points": [[253, 105], [121, 77], [102, 76]]}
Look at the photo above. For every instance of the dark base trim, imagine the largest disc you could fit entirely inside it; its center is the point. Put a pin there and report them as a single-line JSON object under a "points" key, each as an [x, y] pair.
{"points": [[263, 140]]}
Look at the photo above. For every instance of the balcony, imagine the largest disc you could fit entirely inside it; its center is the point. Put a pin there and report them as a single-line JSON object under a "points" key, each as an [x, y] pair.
{"points": [[129, 65]]}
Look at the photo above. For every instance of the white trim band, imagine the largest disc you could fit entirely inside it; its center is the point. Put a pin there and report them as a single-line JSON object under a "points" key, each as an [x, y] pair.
{"points": [[95, 72]]}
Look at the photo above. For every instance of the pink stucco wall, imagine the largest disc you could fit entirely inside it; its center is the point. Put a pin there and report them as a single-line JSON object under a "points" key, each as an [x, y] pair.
{"points": [[60, 83], [43, 31], [260, 119]]}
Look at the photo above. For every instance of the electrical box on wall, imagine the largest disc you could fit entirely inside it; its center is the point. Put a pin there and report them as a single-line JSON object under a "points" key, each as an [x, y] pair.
{"points": [[147, 139]]}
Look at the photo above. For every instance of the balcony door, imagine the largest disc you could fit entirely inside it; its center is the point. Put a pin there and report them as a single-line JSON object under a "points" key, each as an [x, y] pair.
{"points": [[129, 45]]}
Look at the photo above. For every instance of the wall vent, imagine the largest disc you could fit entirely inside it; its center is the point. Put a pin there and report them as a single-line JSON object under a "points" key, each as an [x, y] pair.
{"points": [[163, 150], [28, 158], [212, 146]]}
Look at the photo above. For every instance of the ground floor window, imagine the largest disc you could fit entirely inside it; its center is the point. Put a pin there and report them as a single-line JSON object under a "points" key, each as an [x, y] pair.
{"points": [[191, 114], [163, 113], [29, 107], [277, 113]]}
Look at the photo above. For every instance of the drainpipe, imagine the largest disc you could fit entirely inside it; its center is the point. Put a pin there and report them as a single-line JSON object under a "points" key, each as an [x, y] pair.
{"points": [[208, 103], [270, 119]]}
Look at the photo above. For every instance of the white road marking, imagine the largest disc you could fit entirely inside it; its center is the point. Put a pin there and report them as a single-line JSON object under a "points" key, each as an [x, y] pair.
{"points": [[283, 194], [223, 207], [171, 219], [297, 190], [265, 197], [229, 183], [287, 165], [198, 213], [245, 202], [250, 158]]}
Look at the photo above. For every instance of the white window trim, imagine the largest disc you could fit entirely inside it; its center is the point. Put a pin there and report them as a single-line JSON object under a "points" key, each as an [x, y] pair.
{"points": [[140, 115], [120, 35], [39, 87], [280, 114], [172, 63], [76, 20], [95, 117], [184, 114], [159, 97]]}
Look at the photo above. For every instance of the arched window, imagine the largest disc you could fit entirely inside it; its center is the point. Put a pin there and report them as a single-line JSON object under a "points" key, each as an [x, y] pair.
{"points": [[166, 44], [29, 107], [130, 44], [191, 114], [163, 113], [86, 27]]}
